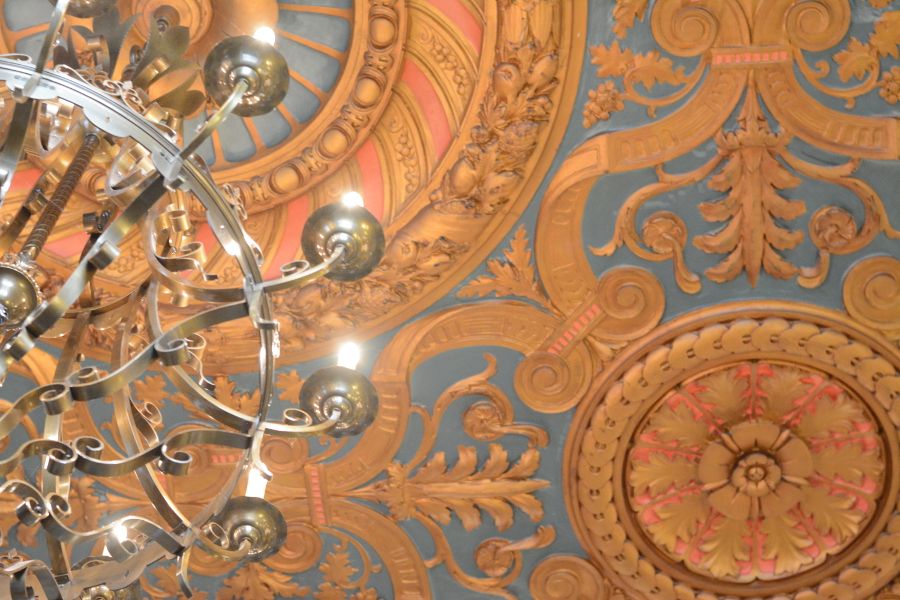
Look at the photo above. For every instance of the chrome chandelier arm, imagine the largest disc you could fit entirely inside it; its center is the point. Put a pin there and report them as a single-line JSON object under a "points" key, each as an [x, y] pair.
{"points": [[340, 243]]}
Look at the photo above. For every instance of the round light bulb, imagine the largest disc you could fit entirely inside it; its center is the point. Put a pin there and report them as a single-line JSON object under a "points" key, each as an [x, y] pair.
{"points": [[120, 532], [265, 34], [352, 198], [348, 355], [256, 484]]}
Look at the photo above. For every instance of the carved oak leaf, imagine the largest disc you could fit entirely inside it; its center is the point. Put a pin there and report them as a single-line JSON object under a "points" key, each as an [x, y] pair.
{"points": [[659, 473], [781, 390], [513, 277], [625, 13], [151, 389], [848, 462], [678, 520], [260, 583], [724, 547], [752, 177], [651, 69], [289, 385], [831, 513], [681, 425], [785, 544], [886, 35], [612, 60], [855, 60]]}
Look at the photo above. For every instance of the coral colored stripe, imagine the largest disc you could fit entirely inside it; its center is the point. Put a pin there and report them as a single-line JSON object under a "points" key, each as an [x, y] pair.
{"points": [[297, 211], [25, 179], [205, 236], [430, 104], [462, 18], [372, 180], [68, 247]]}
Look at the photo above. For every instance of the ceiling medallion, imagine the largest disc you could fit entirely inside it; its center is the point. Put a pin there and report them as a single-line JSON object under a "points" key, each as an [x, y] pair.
{"points": [[755, 471], [746, 452]]}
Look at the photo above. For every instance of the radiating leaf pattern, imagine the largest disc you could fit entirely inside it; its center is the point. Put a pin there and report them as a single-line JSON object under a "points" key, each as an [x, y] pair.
{"points": [[756, 470]]}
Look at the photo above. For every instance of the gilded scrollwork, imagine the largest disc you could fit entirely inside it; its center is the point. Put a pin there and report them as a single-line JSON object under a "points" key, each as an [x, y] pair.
{"points": [[872, 294], [748, 56]]}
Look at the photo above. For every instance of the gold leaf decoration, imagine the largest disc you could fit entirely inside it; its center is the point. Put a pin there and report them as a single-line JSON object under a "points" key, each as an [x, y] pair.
{"points": [[625, 13], [725, 547], [886, 35], [612, 60], [848, 462], [650, 69], [260, 583], [659, 473], [514, 276], [725, 393], [829, 416], [781, 391], [681, 425], [831, 513], [753, 207], [785, 544], [678, 520], [855, 61], [438, 492], [337, 568]]}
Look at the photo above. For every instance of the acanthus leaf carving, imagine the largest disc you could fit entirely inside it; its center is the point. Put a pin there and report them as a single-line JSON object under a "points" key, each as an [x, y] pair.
{"points": [[753, 208]]}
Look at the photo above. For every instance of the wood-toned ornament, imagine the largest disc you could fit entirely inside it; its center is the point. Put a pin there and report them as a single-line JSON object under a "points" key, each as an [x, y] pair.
{"points": [[748, 56], [741, 444]]}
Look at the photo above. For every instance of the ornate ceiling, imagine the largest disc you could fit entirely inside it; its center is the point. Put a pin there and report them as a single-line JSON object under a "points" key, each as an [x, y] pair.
{"points": [[637, 330]]}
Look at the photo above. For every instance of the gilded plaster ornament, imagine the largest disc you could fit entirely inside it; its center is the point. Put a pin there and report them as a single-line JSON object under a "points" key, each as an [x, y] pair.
{"points": [[749, 57], [499, 78], [742, 444]]}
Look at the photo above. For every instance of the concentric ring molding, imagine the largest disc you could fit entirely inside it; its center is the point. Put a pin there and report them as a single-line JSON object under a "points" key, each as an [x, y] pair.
{"points": [[597, 448]]}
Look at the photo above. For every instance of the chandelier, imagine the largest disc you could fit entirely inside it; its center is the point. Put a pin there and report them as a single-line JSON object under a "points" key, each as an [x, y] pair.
{"points": [[86, 101]]}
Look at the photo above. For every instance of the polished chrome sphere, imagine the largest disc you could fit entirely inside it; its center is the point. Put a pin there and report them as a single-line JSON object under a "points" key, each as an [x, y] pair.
{"points": [[19, 295], [254, 520], [85, 9], [259, 63], [352, 227], [343, 391]]}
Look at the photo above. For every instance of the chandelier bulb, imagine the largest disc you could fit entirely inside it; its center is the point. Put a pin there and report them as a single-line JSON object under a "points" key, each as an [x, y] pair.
{"points": [[352, 198], [348, 355], [265, 34], [256, 484]]}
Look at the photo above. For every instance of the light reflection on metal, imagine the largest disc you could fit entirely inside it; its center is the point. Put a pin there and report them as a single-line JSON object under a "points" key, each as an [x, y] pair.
{"points": [[73, 117]]}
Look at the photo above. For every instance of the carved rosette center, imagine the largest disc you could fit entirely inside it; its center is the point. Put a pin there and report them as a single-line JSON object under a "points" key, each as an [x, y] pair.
{"points": [[755, 468], [753, 438], [770, 467]]}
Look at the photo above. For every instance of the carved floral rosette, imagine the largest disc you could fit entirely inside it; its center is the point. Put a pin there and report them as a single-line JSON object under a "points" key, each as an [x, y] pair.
{"points": [[743, 451]]}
